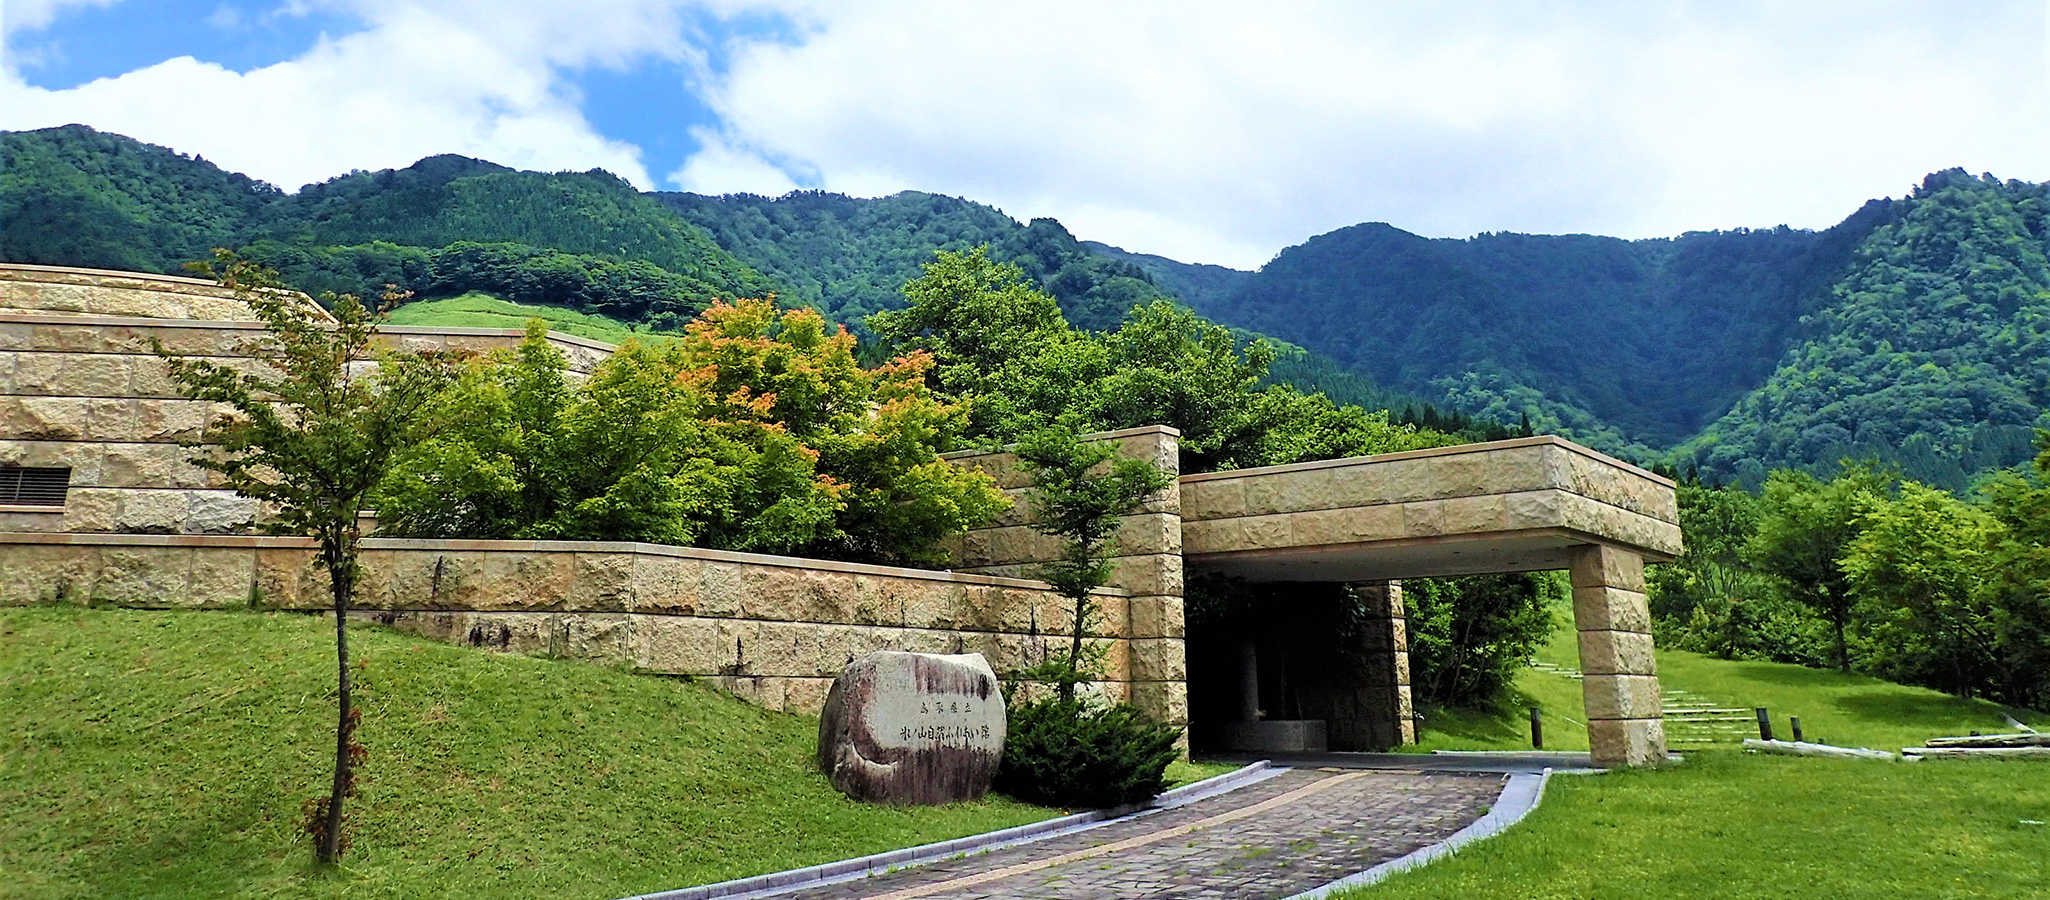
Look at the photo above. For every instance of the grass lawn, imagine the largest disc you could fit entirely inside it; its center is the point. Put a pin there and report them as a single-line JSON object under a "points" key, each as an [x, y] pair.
{"points": [[474, 310], [1847, 710], [166, 754], [1733, 826]]}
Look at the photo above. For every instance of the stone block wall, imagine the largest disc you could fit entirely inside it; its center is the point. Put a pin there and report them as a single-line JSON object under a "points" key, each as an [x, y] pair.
{"points": [[1148, 564], [87, 393], [775, 630], [1475, 489]]}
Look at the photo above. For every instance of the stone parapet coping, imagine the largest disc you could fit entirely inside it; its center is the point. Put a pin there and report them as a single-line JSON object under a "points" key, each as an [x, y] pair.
{"points": [[266, 542], [46, 318], [35, 269], [1168, 430], [792, 880], [1489, 446]]}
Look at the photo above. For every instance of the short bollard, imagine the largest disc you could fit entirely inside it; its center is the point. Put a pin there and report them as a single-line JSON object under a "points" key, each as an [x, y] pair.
{"points": [[1764, 724], [1795, 721], [1537, 728]]}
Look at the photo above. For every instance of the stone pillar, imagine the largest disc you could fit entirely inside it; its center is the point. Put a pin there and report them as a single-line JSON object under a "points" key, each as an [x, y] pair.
{"points": [[1388, 714], [1619, 677], [1249, 681], [1150, 566]]}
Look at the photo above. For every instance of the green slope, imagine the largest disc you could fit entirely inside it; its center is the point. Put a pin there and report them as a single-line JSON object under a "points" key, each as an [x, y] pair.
{"points": [[476, 310], [166, 754]]}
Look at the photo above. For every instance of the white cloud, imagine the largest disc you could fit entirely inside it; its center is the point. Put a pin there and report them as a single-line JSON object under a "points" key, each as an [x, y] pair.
{"points": [[1222, 131], [473, 78], [29, 15], [718, 167]]}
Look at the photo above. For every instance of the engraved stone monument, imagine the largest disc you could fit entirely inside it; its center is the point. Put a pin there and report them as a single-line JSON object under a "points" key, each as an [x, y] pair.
{"points": [[913, 728]]}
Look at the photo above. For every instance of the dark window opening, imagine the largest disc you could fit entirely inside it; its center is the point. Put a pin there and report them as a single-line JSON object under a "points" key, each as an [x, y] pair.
{"points": [[33, 486]]}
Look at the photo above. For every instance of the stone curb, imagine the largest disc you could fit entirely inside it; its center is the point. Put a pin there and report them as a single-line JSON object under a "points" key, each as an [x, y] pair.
{"points": [[876, 864], [1519, 797]]}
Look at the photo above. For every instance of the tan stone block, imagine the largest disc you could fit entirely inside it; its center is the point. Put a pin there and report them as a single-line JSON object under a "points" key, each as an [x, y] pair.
{"points": [[593, 637], [723, 591], [47, 573], [43, 418], [1424, 518], [1221, 498], [221, 577], [1608, 608], [1213, 536], [143, 577], [286, 578], [1532, 509], [598, 581], [681, 645], [1152, 574], [1266, 496], [1627, 742], [1356, 486], [1617, 653], [666, 584], [934, 604], [1157, 617], [1598, 565], [1159, 659], [1266, 531], [1142, 534], [1410, 480], [1164, 701], [16, 336], [1475, 515], [806, 695], [762, 691], [72, 374], [1620, 696], [92, 510]]}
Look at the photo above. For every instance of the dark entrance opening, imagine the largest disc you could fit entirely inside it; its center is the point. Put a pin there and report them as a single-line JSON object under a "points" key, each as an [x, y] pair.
{"points": [[1296, 666]]}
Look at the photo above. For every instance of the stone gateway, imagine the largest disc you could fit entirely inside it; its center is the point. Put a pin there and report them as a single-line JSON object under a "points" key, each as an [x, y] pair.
{"points": [[913, 728]]}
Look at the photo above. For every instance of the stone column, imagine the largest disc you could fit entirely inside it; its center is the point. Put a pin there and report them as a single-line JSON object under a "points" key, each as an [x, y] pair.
{"points": [[1150, 566], [1619, 677], [1388, 712]]}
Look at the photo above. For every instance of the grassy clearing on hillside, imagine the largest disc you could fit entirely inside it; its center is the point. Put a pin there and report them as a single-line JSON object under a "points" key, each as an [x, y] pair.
{"points": [[166, 754], [1734, 826], [1847, 710], [474, 310]]}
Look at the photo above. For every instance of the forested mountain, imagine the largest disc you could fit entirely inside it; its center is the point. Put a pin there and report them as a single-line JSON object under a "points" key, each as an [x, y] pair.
{"points": [[1933, 350], [1618, 342], [75, 196], [1914, 331], [850, 257]]}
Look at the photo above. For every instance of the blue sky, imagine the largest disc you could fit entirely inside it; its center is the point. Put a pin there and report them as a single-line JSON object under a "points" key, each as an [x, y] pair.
{"points": [[1204, 130]]}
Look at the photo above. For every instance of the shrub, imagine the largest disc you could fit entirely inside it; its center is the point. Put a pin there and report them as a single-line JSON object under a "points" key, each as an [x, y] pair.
{"points": [[1077, 754]]}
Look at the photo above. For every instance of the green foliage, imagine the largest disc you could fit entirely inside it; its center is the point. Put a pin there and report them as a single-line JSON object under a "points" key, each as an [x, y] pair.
{"points": [[1076, 754], [485, 311], [1923, 560], [754, 431], [1713, 601], [1804, 529], [1469, 636], [997, 340]]}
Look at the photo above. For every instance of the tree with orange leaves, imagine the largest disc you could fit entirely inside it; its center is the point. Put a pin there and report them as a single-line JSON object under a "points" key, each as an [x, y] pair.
{"points": [[757, 430]]}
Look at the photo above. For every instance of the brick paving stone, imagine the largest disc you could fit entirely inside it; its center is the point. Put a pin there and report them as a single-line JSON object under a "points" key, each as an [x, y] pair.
{"points": [[1345, 822]]}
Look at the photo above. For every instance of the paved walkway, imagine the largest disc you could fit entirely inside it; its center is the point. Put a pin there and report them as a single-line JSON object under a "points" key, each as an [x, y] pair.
{"points": [[1293, 832]]}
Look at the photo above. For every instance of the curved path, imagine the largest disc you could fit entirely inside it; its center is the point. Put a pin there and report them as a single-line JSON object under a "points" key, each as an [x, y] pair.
{"points": [[1297, 831]]}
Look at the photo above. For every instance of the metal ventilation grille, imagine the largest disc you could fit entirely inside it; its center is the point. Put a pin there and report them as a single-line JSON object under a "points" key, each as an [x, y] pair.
{"points": [[29, 486]]}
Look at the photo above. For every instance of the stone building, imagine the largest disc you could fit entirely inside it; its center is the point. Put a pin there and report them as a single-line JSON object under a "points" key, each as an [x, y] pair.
{"points": [[98, 503]]}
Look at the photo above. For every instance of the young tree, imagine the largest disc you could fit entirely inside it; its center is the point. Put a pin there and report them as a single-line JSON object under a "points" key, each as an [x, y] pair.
{"points": [[309, 433], [1926, 561], [1079, 491], [1803, 531]]}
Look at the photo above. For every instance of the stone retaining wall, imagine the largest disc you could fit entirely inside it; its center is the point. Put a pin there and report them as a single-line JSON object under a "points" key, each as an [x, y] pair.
{"points": [[775, 630]]}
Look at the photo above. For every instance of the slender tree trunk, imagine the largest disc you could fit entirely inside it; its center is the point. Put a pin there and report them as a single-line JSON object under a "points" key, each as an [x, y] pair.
{"points": [[339, 551], [1843, 651]]}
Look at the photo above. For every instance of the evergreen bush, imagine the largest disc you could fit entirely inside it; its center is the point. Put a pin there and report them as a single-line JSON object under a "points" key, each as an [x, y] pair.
{"points": [[1078, 754]]}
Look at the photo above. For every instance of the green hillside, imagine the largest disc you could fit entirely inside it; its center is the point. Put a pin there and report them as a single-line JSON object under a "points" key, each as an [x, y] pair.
{"points": [[850, 257], [166, 754], [485, 311]]}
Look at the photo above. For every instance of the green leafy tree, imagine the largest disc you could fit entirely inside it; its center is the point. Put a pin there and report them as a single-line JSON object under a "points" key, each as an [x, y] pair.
{"points": [[309, 433], [2020, 580], [1805, 528], [1080, 490], [1469, 636], [1926, 562]]}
